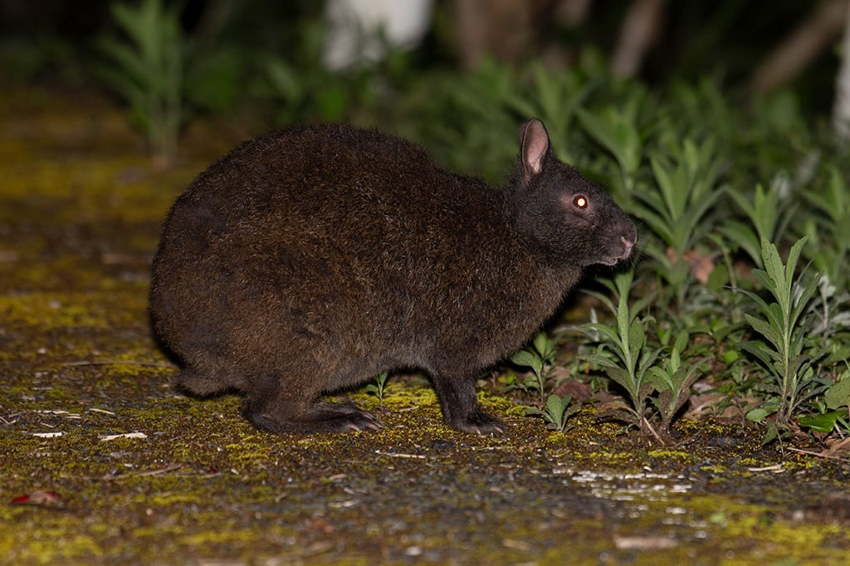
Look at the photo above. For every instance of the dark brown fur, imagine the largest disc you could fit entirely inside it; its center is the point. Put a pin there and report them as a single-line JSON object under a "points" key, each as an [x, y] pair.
{"points": [[312, 259]]}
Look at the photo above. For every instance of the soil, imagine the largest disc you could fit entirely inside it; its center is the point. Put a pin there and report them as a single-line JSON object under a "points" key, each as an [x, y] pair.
{"points": [[102, 461]]}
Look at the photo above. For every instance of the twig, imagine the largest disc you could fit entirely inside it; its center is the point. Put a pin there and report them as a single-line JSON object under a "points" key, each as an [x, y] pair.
{"points": [[146, 473], [652, 430], [400, 455], [103, 411], [160, 471], [773, 468], [124, 435], [818, 454]]}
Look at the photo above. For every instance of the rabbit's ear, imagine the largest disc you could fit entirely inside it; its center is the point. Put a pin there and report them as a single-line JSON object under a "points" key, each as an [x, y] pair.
{"points": [[534, 142]]}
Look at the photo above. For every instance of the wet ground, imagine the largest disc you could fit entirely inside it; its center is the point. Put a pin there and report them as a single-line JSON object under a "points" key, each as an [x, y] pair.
{"points": [[103, 462]]}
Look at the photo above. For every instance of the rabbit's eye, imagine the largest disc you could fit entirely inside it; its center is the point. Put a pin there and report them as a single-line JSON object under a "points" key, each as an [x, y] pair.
{"points": [[580, 201]]}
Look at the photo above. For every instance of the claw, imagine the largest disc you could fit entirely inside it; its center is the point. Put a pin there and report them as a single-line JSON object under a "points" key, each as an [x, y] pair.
{"points": [[480, 423]]}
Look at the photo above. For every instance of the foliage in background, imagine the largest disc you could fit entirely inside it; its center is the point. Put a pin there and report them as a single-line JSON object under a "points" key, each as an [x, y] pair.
{"points": [[147, 67], [788, 357], [305, 91], [827, 228]]}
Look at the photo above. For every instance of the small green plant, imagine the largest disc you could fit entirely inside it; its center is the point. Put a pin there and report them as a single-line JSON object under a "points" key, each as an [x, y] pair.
{"points": [[831, 320], [686, 187], [672, 380], [677, 208], [557, 412], [785, 357], [147, 66], [377, 389], [628, 356], [539, 357], [767, 215], [827, 229], [834, 410]]}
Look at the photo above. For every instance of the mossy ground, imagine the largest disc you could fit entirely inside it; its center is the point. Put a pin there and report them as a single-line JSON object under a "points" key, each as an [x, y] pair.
{"points": [[195, 483]]}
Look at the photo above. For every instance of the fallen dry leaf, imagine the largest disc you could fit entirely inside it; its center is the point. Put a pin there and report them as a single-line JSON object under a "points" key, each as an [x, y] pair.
{"points": [[644, 542], [837, 447], [577, 389], [37, 497], [701, 265]]}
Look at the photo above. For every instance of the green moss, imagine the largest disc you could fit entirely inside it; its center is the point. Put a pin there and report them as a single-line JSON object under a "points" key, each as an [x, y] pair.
{"points": [[206, 538], [51, 546], [49, 311], [668, 454]]}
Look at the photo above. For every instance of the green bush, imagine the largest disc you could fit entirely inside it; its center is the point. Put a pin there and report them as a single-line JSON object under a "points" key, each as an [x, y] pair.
{"points": [[147, 67]]}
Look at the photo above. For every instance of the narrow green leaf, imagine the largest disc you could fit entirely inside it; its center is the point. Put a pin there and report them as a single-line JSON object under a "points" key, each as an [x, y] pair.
{"points": [[610, 333], [743, 236], [660, 379], [640, 305], [806, 294], [622, 378], [771, 434], [766, 330], [793, 258], [667, 187], [544, 345], [658, 224], [599, 361], [767, 356], [773, 266], [760, 303], [557, 406], [604, 300], [675, 360], [681, 341], [599, 130], [637, 337]]}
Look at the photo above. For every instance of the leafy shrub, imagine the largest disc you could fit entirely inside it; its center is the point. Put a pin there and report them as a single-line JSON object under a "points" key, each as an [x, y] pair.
{"points": [[539, 356], [147, 67]]}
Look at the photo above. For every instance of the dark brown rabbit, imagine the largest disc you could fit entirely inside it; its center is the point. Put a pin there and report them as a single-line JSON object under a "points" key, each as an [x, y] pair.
{"points": [[312, 259]]}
